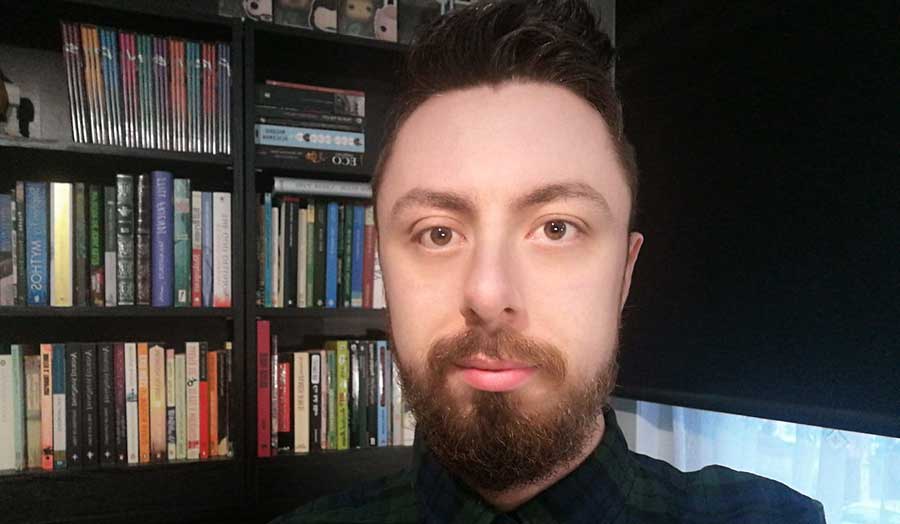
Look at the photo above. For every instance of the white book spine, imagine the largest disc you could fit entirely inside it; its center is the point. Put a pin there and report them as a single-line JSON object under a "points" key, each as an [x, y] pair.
{"points": [[377, 283], [221, 249], [109, 275], [301, 258], [59, 421], [282, 257], [396, 408], [131, 403], [18, 400], [7, 426], [409, 427], [276, 266], [61, 245], [170, 400], [305, 186], [301, 402], [192, 381], [180, 407]]}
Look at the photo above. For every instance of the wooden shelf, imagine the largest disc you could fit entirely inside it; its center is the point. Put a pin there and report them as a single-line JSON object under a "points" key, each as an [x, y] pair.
{"points": [[116, 151], [112, 312]]}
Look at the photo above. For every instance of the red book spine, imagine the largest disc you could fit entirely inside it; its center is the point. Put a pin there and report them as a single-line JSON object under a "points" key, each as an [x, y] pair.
{"points": [[263, 390], [204, 402], [213, 382], [368, 258]]}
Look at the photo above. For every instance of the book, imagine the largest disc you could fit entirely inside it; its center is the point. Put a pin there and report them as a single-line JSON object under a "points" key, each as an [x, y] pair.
{"points": [[358, 251], [59, 406], [263, 389], [378, 300], [331, 263], [290, 206], [32, 410], [7, 284], [96, 231], [182, 240], [19, 248], [106, 402], [372, 378], [142, 248], [17, 395], [275, 256], [37, 238], [171, 399], [281, 259], [120, 403], [315, 400], [47, 407], [332, 403], [109, 242], [311, 252], [143, 390], [212, 379], [192, 397], [382, 392], [157, 398], [132, 407], [207, 241], [91, 427], [275, 394], [180, 406], [196, 248], [221, 270], [323, 399], [61, 248], [310, 157], [7, 420], [396, 406], [345, 255], [309, 138], [125, 235], [285, 401], [302, 246], [81, 288], [316, 99], [264, 240], [74, 408], [321, 225], [223, 387], [162, 256], [204, 400], [357, 394], [368, 268], [302, 407]]}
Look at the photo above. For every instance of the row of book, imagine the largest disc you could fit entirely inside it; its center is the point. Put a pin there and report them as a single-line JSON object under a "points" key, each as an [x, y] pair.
{"points": [[344, 395], [147, 91], [83, 405], [147, 240], [316, 250], [311, 125]]}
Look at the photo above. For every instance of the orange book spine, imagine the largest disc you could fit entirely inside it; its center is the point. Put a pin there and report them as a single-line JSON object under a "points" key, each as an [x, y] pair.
{"points": [[213, 388], [46, 407], [143, 368]]}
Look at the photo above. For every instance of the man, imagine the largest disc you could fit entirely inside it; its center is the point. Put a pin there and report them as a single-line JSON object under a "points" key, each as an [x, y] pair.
{"points": [[505, 200]]}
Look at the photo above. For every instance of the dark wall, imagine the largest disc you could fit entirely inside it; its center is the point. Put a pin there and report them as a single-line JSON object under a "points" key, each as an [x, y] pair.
{"points": [[768, 138]]}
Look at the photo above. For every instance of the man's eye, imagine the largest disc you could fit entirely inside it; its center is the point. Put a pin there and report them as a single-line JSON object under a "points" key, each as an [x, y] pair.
{"points": [[557, 230], [435, 237]]}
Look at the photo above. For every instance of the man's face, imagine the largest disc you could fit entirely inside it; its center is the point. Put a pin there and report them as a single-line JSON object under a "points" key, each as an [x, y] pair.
{"points": [[504, 245]]}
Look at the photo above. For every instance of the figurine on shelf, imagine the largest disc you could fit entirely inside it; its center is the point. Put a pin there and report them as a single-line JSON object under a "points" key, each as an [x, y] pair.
{"points": [[16, 113], [369, 19], [386, 22], [292, 12], [324, 15]]}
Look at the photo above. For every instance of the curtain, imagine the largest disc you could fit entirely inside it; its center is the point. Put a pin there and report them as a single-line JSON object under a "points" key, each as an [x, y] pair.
{"points": [[855, 476]]}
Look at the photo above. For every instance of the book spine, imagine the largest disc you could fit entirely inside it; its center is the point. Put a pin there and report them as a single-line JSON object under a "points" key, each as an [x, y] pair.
{"points": [[222, 250], [116, 88], [100, 86], [320, 263], [382, 391], [315, 401], [345, 255], [37, 243], [124, 79], [309, 138], [359, 225], [331, 262], [212, 380], [7, 271], [229, 388], [132, 408], [144, 209], [196, 248], [311, 252], [207, 224], [17, 410], [388, 395], [171, 422], [334, 188], [162, 258], [311, 156], [191, 62], [285, 402], [74, 408], [290, 251], [275, 385], [106, 402], [221, 392], [85, 67], [120, 404], [33, 411], [125, 240], [342, 391], [368, 265], [157, 391], [323, 399], [396, 406], [21, 278], [180, 406], [104, 58], [109, 241], [302, 246], [378, 301], [7, 424], [316, 122], [266, 250], [263, 389], [68, 49], [332, 405], [61, 249], [301, 407], [192, 396], [281, 260], [95, 253], [81, 278], [182, 239], [47, 407], [59, 406], [143, 381], [354, 399], [91, 425], [372, 393], [204, 401]]}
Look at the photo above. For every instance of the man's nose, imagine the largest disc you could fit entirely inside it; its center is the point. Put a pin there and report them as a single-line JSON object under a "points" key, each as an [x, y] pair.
{"points": [[492, 294]]}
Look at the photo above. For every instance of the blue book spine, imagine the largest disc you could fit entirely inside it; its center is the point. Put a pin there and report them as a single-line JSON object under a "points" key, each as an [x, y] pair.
{"points": [[207, 243], [381, 351], [162, 241], [58, 381], [267, 249], [310, 138], [37, 247], [331, 262], [356, 277]]}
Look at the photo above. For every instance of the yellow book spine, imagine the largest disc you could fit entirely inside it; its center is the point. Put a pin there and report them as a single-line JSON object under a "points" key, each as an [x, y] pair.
{"points": [[157, 375], [143, 372], [61, 244]]}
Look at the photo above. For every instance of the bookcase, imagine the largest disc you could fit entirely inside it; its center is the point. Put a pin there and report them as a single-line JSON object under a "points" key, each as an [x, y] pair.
{"points": [[240, 488]]}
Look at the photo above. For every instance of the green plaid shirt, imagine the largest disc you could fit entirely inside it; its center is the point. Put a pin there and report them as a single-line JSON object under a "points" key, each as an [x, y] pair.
{"points": [[614, 486]]}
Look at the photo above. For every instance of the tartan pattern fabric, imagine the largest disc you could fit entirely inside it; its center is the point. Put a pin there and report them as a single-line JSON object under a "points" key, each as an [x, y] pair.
{"points": [[612, 486]]}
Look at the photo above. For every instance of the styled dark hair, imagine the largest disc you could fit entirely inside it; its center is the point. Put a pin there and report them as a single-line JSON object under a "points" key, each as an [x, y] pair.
{"points": [[496, 41]]}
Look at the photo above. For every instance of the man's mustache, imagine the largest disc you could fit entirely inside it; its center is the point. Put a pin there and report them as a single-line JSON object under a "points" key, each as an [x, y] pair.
{"points": [[504, 344]]}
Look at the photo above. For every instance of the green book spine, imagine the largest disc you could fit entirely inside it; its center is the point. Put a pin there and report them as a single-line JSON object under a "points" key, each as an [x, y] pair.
{"points": [[331, 369], [340, 256], [81, 282], [310, 253], [18, 400], [347, 255], [342, 356], [97, 231], [182, 242], [321, 231]]}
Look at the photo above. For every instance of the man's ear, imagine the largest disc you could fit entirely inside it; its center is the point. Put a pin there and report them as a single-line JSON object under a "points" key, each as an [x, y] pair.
{"points": [[635, 241]]}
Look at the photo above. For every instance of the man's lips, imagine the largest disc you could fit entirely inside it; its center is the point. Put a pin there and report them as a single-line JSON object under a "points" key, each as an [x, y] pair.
{"points": [[494, 375]]}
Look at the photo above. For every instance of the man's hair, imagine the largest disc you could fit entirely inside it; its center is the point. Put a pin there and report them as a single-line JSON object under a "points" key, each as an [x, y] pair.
{"points": [[492, 42]]}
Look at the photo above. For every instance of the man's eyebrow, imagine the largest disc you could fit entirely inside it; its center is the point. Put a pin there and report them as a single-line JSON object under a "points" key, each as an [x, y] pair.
{"points": [[448, 200], [560, 190]]}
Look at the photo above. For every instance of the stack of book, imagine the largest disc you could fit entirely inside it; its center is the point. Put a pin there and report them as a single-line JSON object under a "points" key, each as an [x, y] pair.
{"points": [[317, 247], [310, 125], [344, 395], [147, 91], [83, 405], [147, 240]]}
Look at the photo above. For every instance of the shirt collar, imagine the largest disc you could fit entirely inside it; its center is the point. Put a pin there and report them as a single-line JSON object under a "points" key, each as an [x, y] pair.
{"points": [[595, 491]]}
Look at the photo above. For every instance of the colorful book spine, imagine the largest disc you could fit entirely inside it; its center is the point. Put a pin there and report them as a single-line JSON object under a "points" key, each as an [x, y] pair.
{"points": [[47, 407], [59, 406], [180, 406], [331, 262], [345, 255], [109, 242], [7, 284], [162, 256], [37, 243], [332, 412], [120, 404], [196, 248], [285, 400], [81, 270], [221, 270], [368, 257], [382, 392], [315, 401], [74, 408], [182, 239], [194, 96], [96, 231], [378, 301], [302, 246], [321, 234], [142, 249], [106, 402], [359, 228], [192, 397], [212, 379], [311, 251], [143, 384], [90, 417], [266, 250], [372, 377], [263, 389], [132, 407], [396, 406], [61, 249], [157, 397], [204, 401], [323, 400], [342, 387], [21, 278], [290, 206], [33, 410], [7, 428], [222, 388], [125, 234], [207, 241], [301, 413], [171, 420]]}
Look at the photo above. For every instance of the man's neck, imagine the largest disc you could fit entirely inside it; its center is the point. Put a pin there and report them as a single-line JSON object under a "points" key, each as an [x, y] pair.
{"points": [[511, 499]]}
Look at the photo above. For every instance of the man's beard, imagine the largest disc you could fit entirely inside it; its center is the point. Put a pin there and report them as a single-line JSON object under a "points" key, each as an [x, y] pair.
{"points": [[492, 440]]}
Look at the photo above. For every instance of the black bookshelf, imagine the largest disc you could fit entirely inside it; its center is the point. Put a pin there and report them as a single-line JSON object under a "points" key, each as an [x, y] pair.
{"points": [[28, 312], [32, 145]]}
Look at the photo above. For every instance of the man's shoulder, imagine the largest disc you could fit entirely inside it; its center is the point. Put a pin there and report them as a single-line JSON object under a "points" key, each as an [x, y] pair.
{"points": [[388, 499], [717, 494]]}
